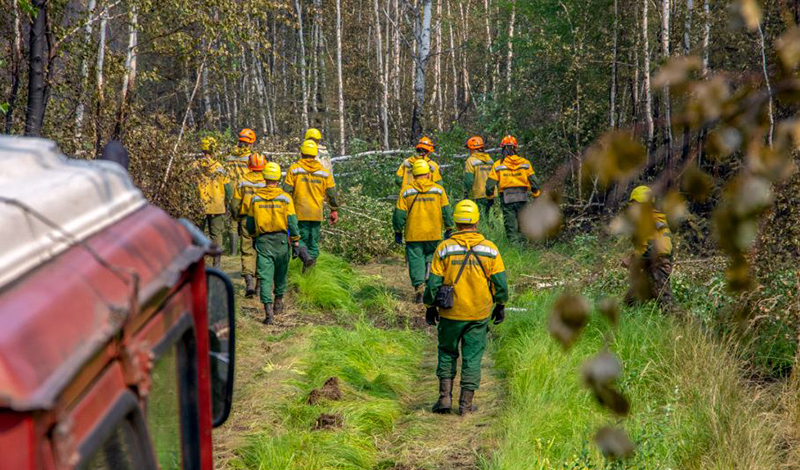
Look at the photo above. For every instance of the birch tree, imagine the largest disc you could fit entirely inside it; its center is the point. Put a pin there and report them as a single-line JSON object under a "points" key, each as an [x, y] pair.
{"points": [[510, 56], [613, 99], [423, 37], [384, 106], [87, 39], [342, 148], [16, 66], [648, 96], [99, 80], [665, 47], [303, 78], [129, 78]]}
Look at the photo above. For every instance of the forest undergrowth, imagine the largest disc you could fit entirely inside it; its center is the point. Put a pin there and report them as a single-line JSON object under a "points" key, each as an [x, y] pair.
{"points": [[346, 379]]}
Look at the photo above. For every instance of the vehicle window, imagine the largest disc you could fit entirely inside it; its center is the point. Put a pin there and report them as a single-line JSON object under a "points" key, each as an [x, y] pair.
{"points": [[172, 415], [164, 413], [121, 451]]}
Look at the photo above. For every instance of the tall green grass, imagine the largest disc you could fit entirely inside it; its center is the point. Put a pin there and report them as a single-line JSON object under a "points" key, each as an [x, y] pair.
{"points": [[376, 369]]}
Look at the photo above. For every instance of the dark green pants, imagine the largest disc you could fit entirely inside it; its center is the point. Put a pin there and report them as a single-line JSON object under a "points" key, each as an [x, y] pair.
{"points": [[309, 236], [471, 337], [215, 225], [273, 264], [511, 220], [483, 207], [418, 256]]}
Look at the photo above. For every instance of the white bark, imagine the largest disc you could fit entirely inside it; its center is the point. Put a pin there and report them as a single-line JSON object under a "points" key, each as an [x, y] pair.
{"points": [[687, 28], [665, 46], [453, 62], [486, 17], [464, 38], [706, 36], [303, 79], [339, 74], [612, 117], [80, 110], [129, 78], [437, 71], [648, 96], [423, 37], [510, 56], [206, 96], [101, 56], [382, 76], [767, 82]]}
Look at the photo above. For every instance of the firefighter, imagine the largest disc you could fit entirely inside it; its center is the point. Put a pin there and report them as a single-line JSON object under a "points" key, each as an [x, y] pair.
{"points": [[214, 190], [310, 184], [424, 148], [272, 219], [323, 155], [468, 267], [248, 184], [476, 172], [515, 180], [236, 164], [650, 264], [422, 213]]}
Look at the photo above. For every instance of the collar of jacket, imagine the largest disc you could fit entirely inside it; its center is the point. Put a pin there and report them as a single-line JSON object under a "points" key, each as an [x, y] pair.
{"points": [[513, 161], [310, 164], [270, 192], [423, 185], [468, 238]]}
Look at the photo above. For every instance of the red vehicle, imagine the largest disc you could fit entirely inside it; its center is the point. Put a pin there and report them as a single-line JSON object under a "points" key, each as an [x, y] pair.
{"points": [[116, 343]]}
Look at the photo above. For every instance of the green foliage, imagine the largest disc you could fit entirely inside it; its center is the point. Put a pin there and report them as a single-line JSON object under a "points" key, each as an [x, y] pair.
{"points": [[328, 286]]}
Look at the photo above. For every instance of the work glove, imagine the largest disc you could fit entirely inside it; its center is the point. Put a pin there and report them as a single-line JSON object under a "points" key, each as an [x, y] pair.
{"points": [[333, 217], [301, 252], [498, 314], [431, 315], [447, 234], [398, 238]]}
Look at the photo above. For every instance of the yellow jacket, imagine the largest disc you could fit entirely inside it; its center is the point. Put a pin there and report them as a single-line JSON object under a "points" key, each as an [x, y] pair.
{"points": [[272, 211], [310, 184], [236, 163], [404, 176], [212, 179], [476, 172], [482, 284], [423, 211], [512, 171], [244, 191], [652, 236]]}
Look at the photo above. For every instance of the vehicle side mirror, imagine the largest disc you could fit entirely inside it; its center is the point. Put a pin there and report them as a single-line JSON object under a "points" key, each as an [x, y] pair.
{"points": [[222, 339]]}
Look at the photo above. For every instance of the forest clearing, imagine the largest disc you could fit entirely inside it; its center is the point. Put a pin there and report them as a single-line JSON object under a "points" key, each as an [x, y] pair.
{"points": [[479, 234]]}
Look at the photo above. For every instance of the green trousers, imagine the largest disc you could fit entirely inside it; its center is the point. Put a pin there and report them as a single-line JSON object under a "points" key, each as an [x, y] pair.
{"points": [[309, 236], [273, 264], [248, 251], [471, 337], [419, 255], [511, 220], [215, 225]]}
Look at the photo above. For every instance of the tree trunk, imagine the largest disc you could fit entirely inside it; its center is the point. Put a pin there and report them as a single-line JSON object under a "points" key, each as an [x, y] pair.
{"points": [[342, 147], [423, 35], [665, 46], [382, 77], [129, 79], [612, 115], [648, 95], [706, 36], [16, 67], [510, 56], [209, 114], [101, 56], [36, 86], [489, 84], [87, 39], [687, 28], [464, 38], [303, 81], [453, 61], [437, 70], [767, 82]]}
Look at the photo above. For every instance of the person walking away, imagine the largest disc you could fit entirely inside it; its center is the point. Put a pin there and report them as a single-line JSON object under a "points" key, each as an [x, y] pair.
{"points": [[323, 155], [424, 148], [422, 214], [515, 180], [467, 280], [272, 219], [476, 172], [249, 183], [236, 165], [310, 185], [214, 190], [650, 264]]}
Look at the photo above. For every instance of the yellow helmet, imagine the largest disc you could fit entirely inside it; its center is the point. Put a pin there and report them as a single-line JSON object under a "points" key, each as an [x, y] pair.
{"points": [[467, 213], [641, 194], [208, 144], [272, 172], [313, 134], [309, 148], [420, 167]]}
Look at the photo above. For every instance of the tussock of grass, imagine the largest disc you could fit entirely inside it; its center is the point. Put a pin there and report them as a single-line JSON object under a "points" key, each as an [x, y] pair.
{"points": [[690, 410], [376, 370], [327, 286]]}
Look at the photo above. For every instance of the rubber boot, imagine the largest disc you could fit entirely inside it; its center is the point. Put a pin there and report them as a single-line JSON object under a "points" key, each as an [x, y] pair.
{"points": [[216, 261], [418, 291], [309, 264], [268, 314], [278, 308], [250, 286], [445, 403], [465, 402]]}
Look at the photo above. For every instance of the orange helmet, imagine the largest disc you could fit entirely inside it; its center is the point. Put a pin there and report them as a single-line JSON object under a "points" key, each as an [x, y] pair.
{"points": [[475, 143], [509, 140], [247, 136], [256, 162], [426, 144]]}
